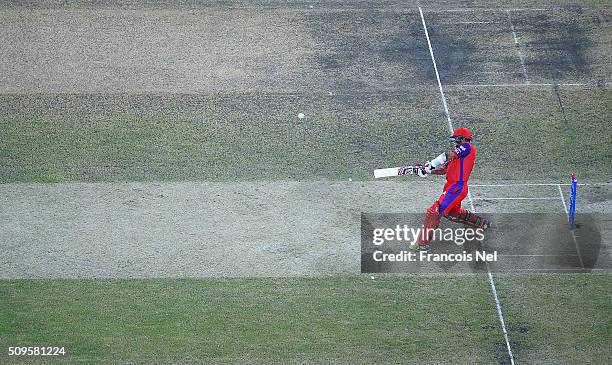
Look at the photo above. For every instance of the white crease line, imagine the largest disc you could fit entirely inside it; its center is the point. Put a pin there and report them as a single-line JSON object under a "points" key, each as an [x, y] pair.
{"points": [[539, 255], [467, 10], [471, 201], [475, 22], [538, 184], [519, 85], [563, 200], [433, 59], [450, 126], [576, 269], [572, 231], [517, 198], [495, 72], [518, 47], [500, 314]]}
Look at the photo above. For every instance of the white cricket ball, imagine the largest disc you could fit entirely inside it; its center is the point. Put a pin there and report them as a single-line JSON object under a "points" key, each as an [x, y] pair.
{"points": [[350, 179], [301, 115], [371, 277]]}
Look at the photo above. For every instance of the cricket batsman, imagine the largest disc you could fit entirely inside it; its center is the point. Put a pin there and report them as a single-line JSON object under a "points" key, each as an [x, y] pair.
{"points": [[457, 164]]}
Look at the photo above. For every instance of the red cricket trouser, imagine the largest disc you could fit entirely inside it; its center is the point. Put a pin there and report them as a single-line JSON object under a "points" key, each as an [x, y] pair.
{"points": [[448, 203], [450, 200]]}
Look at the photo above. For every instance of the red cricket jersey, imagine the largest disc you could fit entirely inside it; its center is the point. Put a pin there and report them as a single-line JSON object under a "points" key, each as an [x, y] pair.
{"points": [[460, 168]]}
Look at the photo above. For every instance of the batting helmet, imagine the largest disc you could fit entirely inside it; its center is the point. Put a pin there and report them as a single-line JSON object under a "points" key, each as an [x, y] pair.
{"points": [[462, 132]]}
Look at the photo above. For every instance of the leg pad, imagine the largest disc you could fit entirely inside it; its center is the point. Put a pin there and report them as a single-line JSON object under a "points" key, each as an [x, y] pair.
{"points": [[469, 219], [432, 221]]}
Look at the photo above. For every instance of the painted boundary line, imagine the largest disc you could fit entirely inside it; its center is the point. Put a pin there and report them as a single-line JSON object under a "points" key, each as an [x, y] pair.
{"points": [[450, 126], [573, 234]]}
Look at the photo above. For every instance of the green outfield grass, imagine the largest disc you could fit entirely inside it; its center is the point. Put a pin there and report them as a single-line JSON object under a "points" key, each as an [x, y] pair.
{"points": [[349, 320], [250, 137], [559, 319]]}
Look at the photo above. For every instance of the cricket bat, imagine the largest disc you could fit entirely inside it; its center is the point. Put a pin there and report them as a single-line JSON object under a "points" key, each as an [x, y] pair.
{"points": [[392, 171]]}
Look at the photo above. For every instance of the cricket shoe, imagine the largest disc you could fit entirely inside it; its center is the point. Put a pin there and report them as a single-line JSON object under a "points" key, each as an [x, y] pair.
{"points": [[425, 248], [417, 247]]}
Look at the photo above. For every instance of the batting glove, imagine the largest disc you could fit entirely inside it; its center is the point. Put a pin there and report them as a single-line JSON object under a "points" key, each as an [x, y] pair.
{"points": [[421, 171], [405, 170]]}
